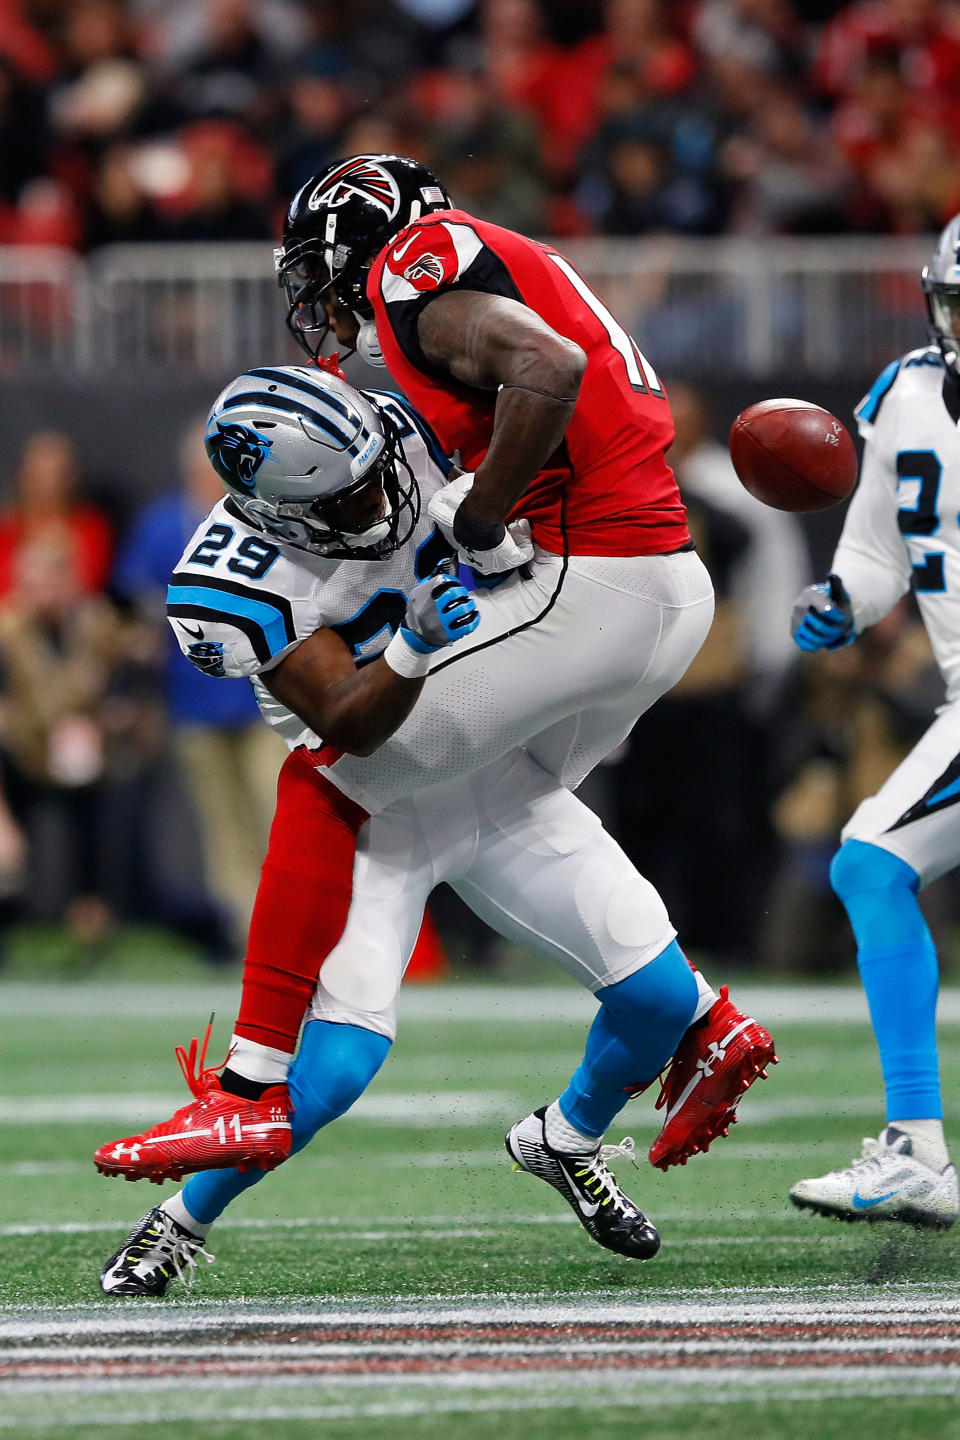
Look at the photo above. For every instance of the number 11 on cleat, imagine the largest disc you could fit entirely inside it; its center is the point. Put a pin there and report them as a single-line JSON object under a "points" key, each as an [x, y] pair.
{"points": [[220, 1128]]}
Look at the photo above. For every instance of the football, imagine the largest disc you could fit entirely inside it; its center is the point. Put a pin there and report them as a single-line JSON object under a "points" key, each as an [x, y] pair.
{"points": [[793, 455]]}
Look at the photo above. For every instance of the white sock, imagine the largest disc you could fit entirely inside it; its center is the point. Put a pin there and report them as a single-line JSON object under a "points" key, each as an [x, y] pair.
{"points": [[260, 1063], [561, 1135], [926, 1140], [175, 1208], [706, 998]]}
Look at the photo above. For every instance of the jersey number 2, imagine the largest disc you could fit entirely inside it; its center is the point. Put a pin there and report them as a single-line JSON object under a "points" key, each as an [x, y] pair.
{"points": [[921, 517]]}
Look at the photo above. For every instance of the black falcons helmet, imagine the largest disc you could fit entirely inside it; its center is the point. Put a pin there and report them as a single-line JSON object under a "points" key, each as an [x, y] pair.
{"points": [[336, 224]]}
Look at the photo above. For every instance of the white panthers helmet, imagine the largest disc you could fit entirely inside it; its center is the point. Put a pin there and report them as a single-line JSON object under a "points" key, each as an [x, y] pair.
{"points": [[291, 444], [941, 288]]}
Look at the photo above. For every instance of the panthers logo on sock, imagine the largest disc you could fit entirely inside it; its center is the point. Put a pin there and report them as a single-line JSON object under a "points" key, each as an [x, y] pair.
{"points": [[236, 453]]}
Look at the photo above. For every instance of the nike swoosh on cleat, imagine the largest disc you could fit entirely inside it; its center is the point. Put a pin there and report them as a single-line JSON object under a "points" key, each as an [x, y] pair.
{"points": [[859, 1203], [114, 1273], [586, 1207]]}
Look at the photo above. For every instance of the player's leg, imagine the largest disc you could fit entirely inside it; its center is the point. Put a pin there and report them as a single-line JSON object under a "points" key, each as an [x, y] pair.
{"points": [[242, 1117], [344, 1043], [547, 875], [334, 1065], [896, 842]]}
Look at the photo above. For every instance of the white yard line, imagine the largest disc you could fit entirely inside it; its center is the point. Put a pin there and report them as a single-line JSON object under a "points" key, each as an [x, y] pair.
{"points": [[908, 1304], [466, 1004], [458, 1109], [447, 1107], [469, 1394]]}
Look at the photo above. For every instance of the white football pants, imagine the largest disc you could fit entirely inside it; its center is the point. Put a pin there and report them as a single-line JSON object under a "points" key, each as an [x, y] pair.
{"points": [[524, 853], [564, 662], [916, 812]]}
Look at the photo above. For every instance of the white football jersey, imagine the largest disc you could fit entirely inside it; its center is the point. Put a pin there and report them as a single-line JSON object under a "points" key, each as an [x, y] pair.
{"points": [[902, 528], [240, 600]]}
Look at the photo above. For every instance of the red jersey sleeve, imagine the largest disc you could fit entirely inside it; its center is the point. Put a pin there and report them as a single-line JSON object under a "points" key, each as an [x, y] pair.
{"points": [[432, 256]]}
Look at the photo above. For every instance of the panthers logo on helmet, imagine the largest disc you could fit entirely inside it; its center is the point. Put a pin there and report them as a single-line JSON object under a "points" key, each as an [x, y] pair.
{"points": [[358, 177], [236, 453]]}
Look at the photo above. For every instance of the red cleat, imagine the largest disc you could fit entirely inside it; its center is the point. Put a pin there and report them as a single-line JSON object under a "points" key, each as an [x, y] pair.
{"points": [[714, 1064], [214, 1132]]}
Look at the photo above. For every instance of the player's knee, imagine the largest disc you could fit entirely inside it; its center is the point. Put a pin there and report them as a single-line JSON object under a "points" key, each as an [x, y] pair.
{"points": [[334, 1066], [859, 867], [663, 992]]}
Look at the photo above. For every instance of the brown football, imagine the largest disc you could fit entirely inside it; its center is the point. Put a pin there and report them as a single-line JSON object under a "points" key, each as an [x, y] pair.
{"points": [[793, 455]]}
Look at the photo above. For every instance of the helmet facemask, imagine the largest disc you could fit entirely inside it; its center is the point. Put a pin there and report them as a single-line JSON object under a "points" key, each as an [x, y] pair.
{"points": [[317, 525], [943, 310], [336, 225]]}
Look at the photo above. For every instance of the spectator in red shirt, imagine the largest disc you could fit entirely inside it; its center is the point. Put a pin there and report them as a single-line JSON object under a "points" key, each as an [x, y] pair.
{"points": [[45, 507], [926, 33]]}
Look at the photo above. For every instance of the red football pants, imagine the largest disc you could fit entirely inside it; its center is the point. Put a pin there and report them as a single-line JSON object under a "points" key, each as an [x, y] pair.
{"points": [[304, 894]]}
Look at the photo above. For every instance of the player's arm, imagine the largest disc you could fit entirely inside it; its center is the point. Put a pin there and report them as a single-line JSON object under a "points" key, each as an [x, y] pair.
{"points": [[494, 343], [353, 708], [871, 567], [357, 709]]}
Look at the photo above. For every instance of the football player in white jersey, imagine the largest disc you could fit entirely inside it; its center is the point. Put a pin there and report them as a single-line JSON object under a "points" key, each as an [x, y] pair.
{"points": [[271, 572], [902, 530]]}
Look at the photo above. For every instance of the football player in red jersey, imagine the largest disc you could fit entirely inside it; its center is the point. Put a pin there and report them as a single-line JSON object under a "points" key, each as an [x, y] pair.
{"points": [[568, 503]]}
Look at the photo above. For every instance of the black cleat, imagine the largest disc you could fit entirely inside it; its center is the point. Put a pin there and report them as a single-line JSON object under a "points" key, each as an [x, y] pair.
{"points": [[588, 1187], [156, 1250]]}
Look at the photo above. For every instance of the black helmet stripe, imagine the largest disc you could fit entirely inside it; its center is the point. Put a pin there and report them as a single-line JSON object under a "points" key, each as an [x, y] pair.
{"points": [[281, 377], [279, 402]]}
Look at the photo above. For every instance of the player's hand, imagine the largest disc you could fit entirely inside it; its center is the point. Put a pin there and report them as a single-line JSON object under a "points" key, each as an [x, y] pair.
{"points": [[502, 550], [440, 611], [443, 508], [823, 616]]}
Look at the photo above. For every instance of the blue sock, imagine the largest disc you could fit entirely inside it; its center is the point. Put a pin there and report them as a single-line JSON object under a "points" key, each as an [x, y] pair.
{"points": [[636, 1030], [333, 1067], [898, 967]]}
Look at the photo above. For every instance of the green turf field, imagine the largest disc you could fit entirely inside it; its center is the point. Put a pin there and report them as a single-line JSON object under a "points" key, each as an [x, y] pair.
{"points": [[405, 1227]]}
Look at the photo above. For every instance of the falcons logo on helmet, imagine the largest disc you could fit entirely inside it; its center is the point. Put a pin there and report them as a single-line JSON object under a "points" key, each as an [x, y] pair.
{"points": [[357, 177]]}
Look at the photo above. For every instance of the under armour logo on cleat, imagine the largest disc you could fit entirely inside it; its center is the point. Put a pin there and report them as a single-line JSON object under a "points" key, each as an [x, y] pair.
{"points": [[120, 1150]]}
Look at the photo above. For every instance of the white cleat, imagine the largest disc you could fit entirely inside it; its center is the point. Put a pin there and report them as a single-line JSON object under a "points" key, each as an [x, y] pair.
{"points": [[886, 1183]]}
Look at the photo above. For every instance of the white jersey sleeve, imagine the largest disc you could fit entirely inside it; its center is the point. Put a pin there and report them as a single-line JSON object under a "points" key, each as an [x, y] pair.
{"points": [[871, 558], [903, 527], [237, 602]]}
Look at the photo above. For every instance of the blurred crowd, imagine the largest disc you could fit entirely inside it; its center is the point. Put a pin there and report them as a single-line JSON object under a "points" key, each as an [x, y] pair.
{"points": [[125, 120], [134, 789], [116, 755]]}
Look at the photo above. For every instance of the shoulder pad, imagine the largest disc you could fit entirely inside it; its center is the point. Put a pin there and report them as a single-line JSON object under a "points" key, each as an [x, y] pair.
{"points": [[426, 255], [410, 422], [869, 407], [929, 355]]}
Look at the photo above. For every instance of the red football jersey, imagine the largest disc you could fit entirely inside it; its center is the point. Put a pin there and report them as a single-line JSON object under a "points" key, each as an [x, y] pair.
{"points": [[607, 490]]}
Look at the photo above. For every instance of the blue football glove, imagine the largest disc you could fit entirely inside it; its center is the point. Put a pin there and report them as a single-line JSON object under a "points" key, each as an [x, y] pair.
{"points": [[439, 612], [822, 618]]}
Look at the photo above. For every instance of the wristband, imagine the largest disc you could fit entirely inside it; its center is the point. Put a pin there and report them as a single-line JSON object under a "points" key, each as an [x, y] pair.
{"points": [[471, 535], [404, 660]]}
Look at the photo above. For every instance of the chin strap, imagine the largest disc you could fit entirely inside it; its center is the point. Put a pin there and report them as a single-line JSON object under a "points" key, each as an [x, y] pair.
{"points": [[368, 345]]}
